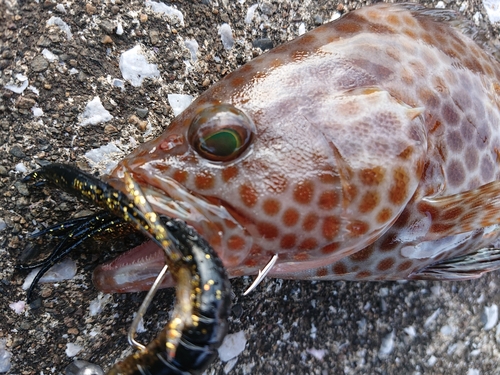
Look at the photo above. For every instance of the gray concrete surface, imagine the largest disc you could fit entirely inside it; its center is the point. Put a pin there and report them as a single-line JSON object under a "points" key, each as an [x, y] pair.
{"points": [[422, 327]]}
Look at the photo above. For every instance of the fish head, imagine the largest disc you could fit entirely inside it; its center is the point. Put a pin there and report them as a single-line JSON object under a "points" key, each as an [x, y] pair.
{"points": [[254, 184]]}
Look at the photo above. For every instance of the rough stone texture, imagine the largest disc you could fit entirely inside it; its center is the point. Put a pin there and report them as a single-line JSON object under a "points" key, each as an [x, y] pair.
{"points": [[281, 319]]}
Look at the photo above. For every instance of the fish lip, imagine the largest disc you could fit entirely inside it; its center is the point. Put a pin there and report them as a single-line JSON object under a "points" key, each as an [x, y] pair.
{"points": [[213, 220]]}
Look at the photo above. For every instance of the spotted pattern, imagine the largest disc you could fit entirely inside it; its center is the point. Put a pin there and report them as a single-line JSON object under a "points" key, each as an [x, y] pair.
{"points": [[376, 152]]}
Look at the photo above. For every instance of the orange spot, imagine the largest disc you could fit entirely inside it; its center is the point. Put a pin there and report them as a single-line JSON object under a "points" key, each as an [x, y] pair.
{"points": [[362, 255], [303, 192], [363, 274], [271, 206], [237, 80], [330, 248], [339, 268], [251, 262], [308, 244], [357, 228], [399, 190], [290, 217], [405, 265], [301, 257], [331, 227], [406, 153], [427, 208], [372, 176], [388, 243], [229, 224], [306, 40], [267, 230], [348, 27], [288, 241], [235, 243], [204, 181], [368, 202], [452, 213], [384, 215], [229, 172], [328, 177], [180, 176], [410, 33], [385, 264], [321, 272], [328, 200], [441, 227], [310, 222], [233, 260], [248, 195], [393, 19]]}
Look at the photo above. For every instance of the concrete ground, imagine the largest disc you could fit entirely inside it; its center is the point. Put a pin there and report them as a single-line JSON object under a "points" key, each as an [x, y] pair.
{"points": [[291, 327]]}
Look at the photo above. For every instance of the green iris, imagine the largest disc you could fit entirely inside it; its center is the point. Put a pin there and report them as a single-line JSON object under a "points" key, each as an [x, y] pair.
{"points": [[222, 143]]}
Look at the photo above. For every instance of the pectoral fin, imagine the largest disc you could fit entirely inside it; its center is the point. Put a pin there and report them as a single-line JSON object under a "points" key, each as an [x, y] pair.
{"points": [[463, 212], [465, 267]]}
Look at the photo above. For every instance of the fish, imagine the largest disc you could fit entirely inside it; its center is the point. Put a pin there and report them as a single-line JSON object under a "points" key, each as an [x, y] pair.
{"points": [[365, 149]]}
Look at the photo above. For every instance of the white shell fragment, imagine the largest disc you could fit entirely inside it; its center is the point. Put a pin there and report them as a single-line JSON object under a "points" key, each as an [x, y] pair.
{"points": [[5, 356], [250, 13], [490, 317], [192, 46], [232, 346], [95, 113], [179, 102], [57, 21], [135, 68], [387, 346], [18, 89], [226, 35], [73, 349], [492, 10], [64, 270], [159, 7]]}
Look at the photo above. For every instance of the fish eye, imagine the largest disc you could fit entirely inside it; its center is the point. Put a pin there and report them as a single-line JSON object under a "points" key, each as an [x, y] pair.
{"points": [[221, 133]]}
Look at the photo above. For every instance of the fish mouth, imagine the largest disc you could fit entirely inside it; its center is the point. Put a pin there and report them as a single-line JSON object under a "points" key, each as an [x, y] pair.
{"points": [[136, 269]]}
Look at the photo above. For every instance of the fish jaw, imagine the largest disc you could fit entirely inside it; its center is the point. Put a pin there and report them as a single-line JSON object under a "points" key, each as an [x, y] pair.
{"points": [[133, 271], [137, 268]]}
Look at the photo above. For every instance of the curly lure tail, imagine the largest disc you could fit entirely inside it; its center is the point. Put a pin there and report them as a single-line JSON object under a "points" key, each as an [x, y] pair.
{"points": [[199, 323], [211, 302]]}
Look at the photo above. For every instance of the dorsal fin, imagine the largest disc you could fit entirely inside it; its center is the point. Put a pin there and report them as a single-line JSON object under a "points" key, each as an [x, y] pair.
{"points": [[457, 21]]}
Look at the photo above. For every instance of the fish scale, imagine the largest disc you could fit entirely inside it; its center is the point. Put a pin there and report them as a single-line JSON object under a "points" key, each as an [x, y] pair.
{"points": [[375, 156]]}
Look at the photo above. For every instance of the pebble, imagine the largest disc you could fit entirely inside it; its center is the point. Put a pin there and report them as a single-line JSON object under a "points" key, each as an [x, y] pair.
{"points": [[3, 171], [154, 36], [142, 112], [264, 44], [107, 40], [21, 188], [39, 64], [16, 151], [90, 9], [110, 129], [24, 102], [108, 26]]}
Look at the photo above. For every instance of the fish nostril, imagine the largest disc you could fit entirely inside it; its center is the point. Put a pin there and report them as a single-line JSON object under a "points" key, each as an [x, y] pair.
{"points": [[172, 141]]}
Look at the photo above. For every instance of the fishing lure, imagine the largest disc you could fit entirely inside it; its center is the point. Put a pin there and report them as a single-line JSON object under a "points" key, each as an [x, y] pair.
{"points": [[366, 149], [199, 323]]}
